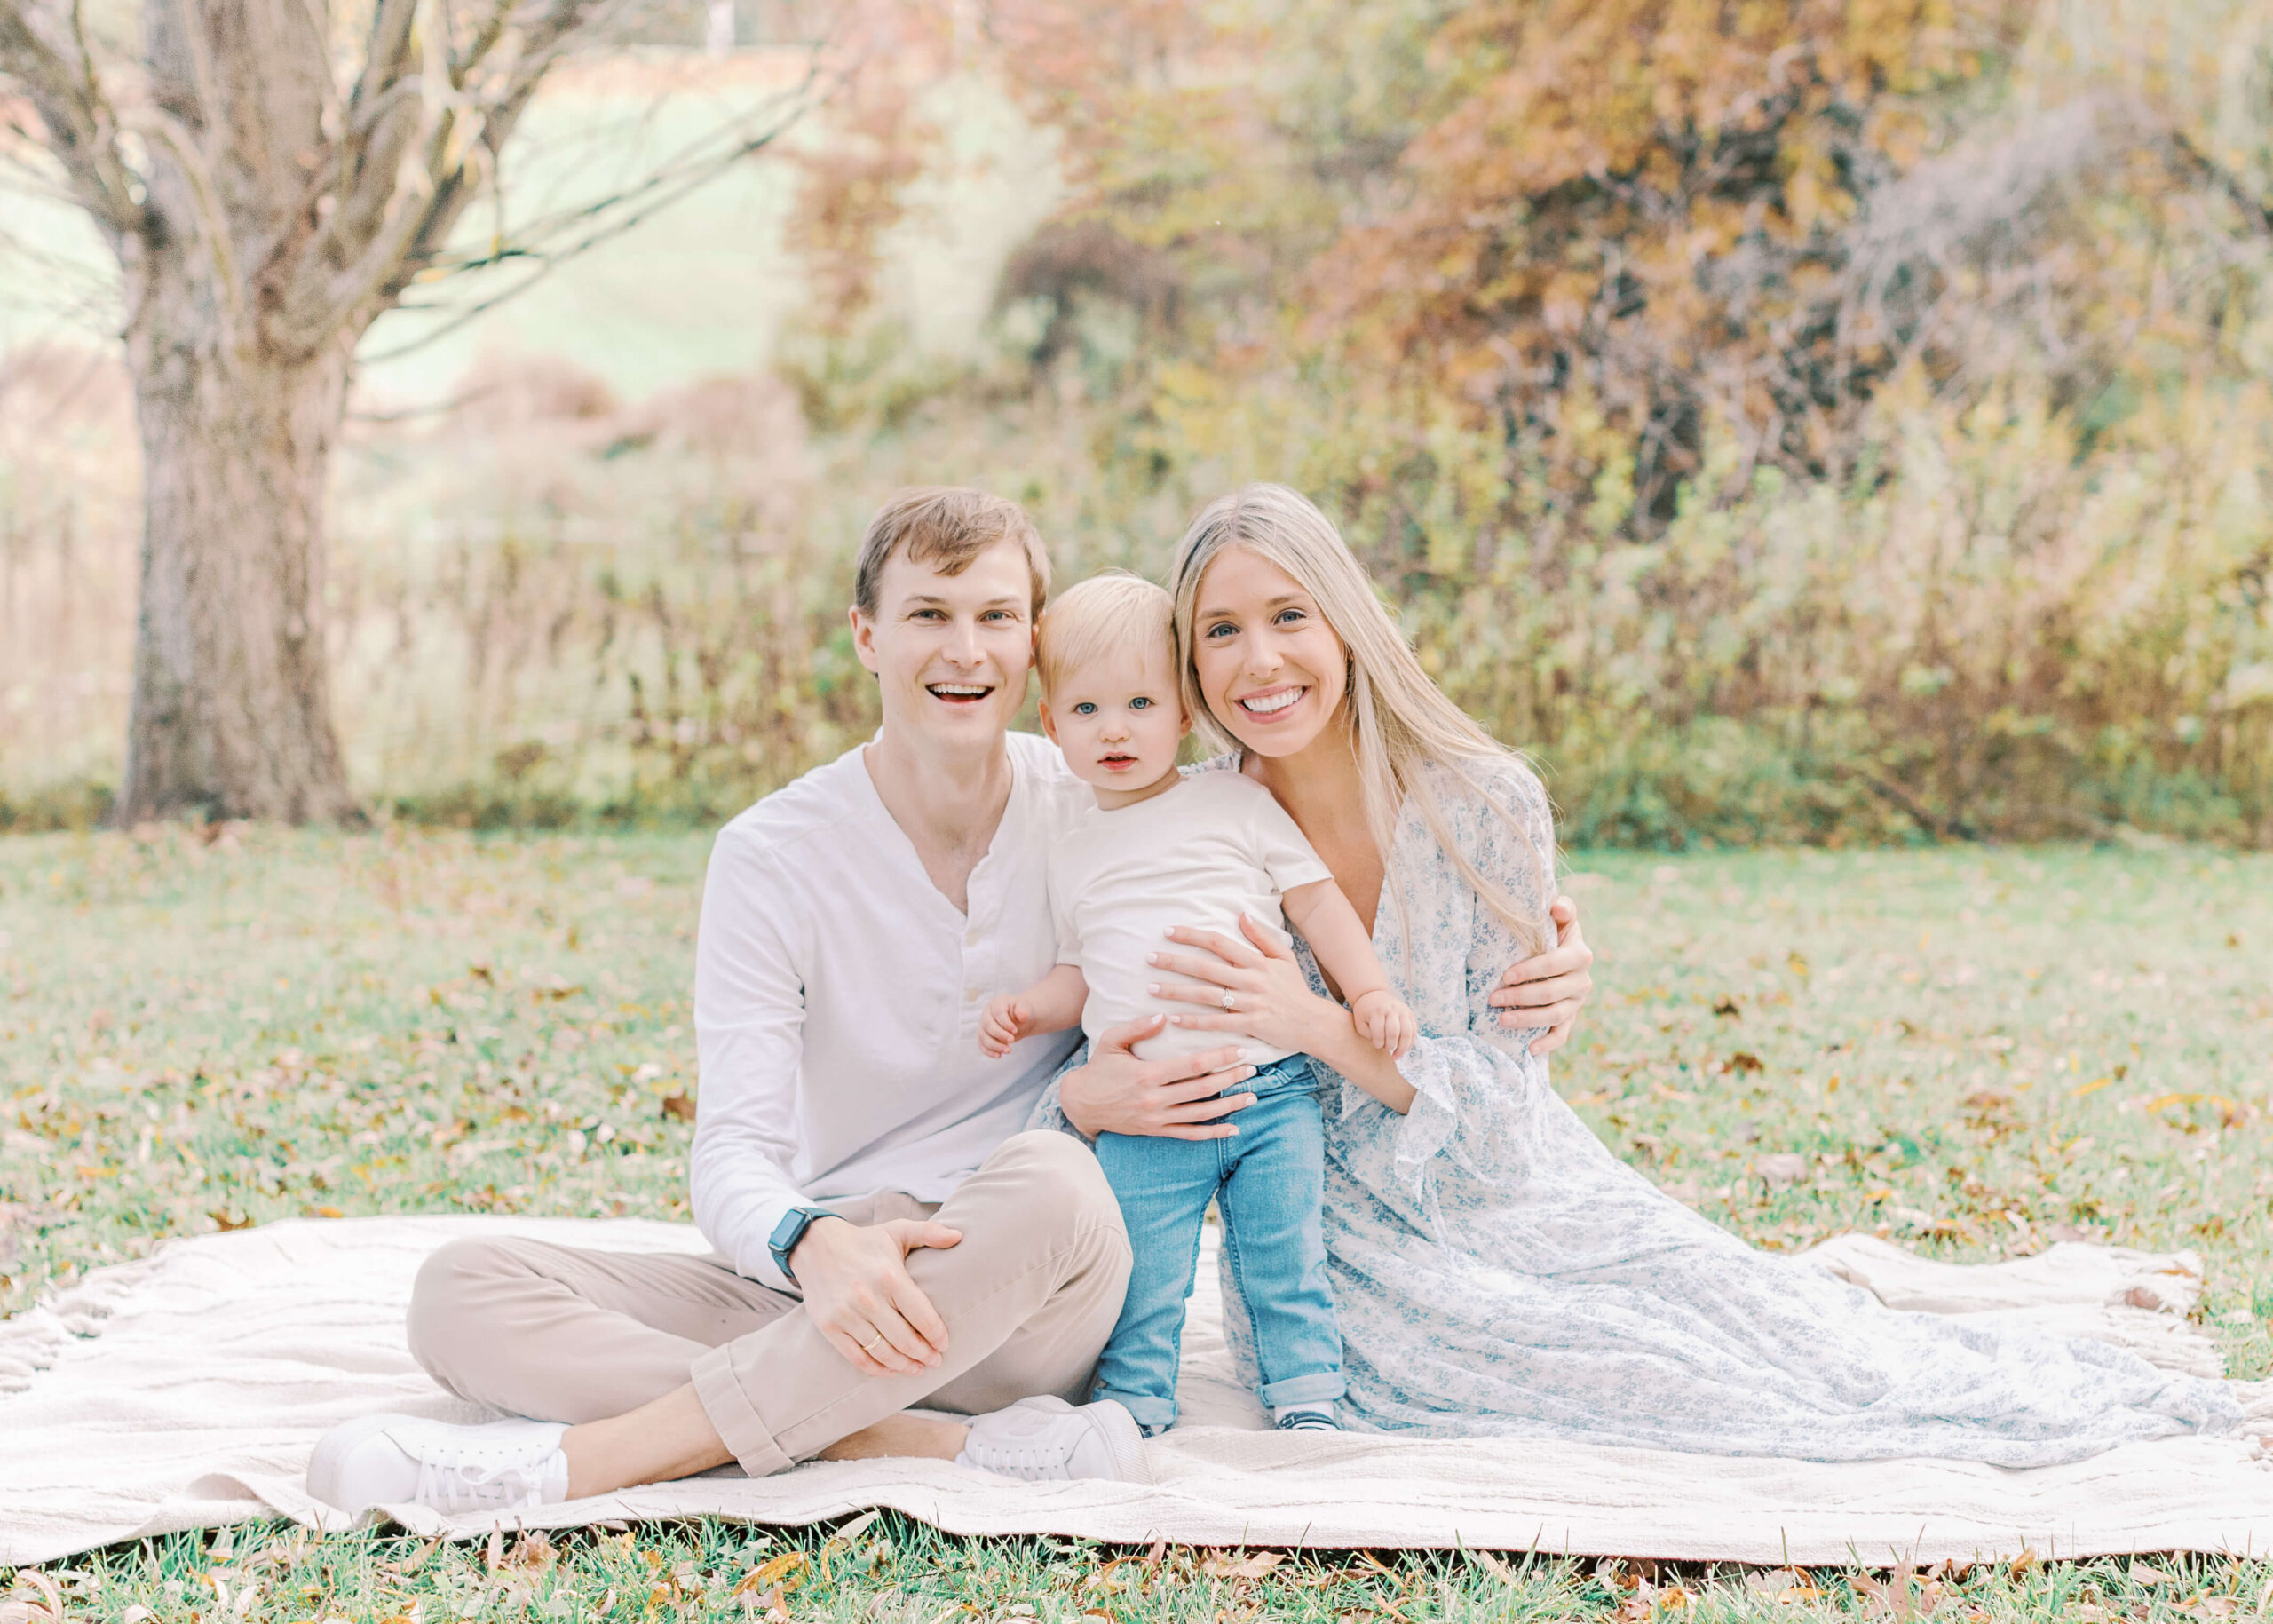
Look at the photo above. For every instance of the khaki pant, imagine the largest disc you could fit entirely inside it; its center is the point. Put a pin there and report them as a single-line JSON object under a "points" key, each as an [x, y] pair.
{"points": [[560, 1334]]}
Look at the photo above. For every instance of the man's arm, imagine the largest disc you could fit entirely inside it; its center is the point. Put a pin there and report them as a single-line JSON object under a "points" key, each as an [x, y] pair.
{"points": [[750, 1017], [1549, 988]]}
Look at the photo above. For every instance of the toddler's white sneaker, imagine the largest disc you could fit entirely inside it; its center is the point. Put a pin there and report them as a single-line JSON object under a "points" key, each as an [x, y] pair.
{"points": [[405, 1460], [1045, 1439]]}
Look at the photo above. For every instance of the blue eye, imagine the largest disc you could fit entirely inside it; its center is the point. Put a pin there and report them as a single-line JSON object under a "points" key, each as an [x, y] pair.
{"points": [[1287, 614], [1220, 626], [1140, 703], [1085, 708]]}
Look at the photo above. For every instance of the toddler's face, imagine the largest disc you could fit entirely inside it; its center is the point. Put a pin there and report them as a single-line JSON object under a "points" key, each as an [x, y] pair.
{"points": [[1118, 721]]}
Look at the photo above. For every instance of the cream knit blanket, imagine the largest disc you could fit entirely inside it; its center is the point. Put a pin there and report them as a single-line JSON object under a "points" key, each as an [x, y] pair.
{"points": [[187, 1390]]}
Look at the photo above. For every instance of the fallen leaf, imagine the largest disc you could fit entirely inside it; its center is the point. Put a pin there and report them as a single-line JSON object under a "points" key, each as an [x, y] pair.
{"points": [[1782, 1169], [770, 1574], [678, 1106], [1493, 1566], [533, 1551], [1233, 1565]]}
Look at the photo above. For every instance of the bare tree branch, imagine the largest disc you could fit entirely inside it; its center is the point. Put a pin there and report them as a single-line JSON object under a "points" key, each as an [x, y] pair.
{"points": [[81, 131], [385, 55], [656, 201], [205, 198]]}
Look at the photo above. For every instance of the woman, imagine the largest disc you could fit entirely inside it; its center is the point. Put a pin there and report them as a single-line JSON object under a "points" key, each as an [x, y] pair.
{"points": [[1497, 1271]]}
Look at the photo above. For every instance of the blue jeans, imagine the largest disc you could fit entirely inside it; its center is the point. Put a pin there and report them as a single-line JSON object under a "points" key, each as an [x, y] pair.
{"points": [[1267, 1180]]}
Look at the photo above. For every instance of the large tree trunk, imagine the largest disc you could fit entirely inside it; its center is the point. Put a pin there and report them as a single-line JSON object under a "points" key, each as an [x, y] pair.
{"points": [[232, 707]]}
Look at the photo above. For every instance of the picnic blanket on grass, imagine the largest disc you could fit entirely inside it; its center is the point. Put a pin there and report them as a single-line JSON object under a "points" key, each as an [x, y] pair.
{"points": [[187, 1388]]}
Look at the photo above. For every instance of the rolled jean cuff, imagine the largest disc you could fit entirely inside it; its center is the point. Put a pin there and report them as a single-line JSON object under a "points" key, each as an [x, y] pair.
{"points": [[730, 1412], [1321, 1387], [1154, 1414]]}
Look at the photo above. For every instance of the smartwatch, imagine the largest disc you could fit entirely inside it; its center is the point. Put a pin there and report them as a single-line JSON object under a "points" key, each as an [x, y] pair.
{"points": [[790, 1231]]}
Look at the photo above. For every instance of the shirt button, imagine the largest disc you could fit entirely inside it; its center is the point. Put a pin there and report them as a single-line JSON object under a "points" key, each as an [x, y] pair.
{"points": [[973, 995], [970, 937]]}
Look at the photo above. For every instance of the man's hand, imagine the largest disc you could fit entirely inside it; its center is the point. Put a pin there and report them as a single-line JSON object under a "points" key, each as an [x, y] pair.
{"points": [[1549, 989], [1173, 1099], [858, 1292]]}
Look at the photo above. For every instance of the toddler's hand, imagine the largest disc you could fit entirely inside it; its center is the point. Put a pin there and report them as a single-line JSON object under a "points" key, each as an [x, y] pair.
{"points": [[1388, 1024], [1004, 1023]]}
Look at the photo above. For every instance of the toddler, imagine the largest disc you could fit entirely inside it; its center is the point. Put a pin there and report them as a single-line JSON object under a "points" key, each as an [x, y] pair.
{"points": [[1162, 850]]}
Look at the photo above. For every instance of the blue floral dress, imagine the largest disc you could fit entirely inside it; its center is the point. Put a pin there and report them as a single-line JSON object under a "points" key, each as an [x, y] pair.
{"points": [[1499, 1271]]}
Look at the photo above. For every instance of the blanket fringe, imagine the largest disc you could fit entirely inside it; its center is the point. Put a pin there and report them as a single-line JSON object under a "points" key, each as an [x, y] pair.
{"points": [[33, 1340]]}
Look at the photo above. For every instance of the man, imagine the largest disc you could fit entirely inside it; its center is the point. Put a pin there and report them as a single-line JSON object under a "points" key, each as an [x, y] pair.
{"points": [[887, 1236]]}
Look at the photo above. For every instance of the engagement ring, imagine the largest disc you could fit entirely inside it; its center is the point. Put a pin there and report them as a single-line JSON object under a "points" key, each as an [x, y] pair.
{"points": [[1227, 1002]]}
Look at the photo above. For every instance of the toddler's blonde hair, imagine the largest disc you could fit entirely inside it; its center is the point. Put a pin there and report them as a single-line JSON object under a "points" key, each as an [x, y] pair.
{"points": [[1106, 615]]}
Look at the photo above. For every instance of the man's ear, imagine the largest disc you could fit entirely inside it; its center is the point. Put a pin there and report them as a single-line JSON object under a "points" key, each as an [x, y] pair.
{"points": [[864, 639], [1048, 726]]}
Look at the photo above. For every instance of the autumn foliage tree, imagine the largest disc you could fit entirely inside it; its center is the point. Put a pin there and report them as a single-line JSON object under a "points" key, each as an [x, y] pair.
{"points": [[1552, 298]]}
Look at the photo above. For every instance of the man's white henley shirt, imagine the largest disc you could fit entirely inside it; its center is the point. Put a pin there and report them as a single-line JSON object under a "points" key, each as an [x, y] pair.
{"points": [[838, 996]]}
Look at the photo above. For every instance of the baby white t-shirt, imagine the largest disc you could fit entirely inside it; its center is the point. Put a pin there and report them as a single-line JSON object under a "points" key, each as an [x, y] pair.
{"points": [[1197, 854]]}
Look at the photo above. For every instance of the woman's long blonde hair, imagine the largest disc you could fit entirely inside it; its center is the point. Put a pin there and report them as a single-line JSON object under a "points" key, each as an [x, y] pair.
{"points": [[1398, 720]]}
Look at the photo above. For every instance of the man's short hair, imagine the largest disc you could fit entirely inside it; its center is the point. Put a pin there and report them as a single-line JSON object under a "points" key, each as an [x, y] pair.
{"points": [[945, 527], [1111, 613]]}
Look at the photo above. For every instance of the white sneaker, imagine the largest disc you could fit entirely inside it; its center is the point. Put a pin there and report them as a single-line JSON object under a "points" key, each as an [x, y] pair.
{"points": [[404, 1460], [1044, 1440]]}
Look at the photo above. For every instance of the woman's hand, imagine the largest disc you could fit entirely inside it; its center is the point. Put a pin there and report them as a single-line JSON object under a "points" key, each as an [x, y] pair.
{"points": [[1272, 1003], [1115, 1092], [1549, 988], [1269, 998]]}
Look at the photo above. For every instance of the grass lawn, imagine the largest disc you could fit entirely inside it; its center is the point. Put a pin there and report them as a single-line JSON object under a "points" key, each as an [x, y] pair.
{"points": [[1976, 1052]]}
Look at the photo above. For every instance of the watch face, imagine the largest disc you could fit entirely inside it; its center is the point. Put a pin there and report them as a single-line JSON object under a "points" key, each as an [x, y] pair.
{"points": [[788, 1232]]}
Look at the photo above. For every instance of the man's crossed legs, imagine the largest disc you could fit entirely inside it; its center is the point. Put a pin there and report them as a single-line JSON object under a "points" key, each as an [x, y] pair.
{"points": [[563, 1334]]}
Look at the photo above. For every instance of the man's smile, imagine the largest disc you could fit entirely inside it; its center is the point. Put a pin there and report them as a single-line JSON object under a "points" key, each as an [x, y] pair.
{"points": [[958, 693]]}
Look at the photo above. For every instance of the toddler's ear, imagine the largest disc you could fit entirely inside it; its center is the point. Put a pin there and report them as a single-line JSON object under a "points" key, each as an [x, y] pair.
{"points": [[1048, 726], [1183, 722]]}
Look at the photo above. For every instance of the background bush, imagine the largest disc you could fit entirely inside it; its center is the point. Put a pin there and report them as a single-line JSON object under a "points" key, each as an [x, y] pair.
{"points": [[1789, 424]]}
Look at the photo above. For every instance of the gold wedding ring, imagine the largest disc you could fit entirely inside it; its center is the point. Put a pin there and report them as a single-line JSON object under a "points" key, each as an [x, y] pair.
{"points": [[870, 1347]]}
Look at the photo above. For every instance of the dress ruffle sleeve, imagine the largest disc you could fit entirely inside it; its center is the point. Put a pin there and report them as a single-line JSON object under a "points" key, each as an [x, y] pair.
{"points": [[1446, 950]]}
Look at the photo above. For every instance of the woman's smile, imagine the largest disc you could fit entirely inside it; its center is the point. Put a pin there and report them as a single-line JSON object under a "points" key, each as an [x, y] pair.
{"points": [[1272, 703]]}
